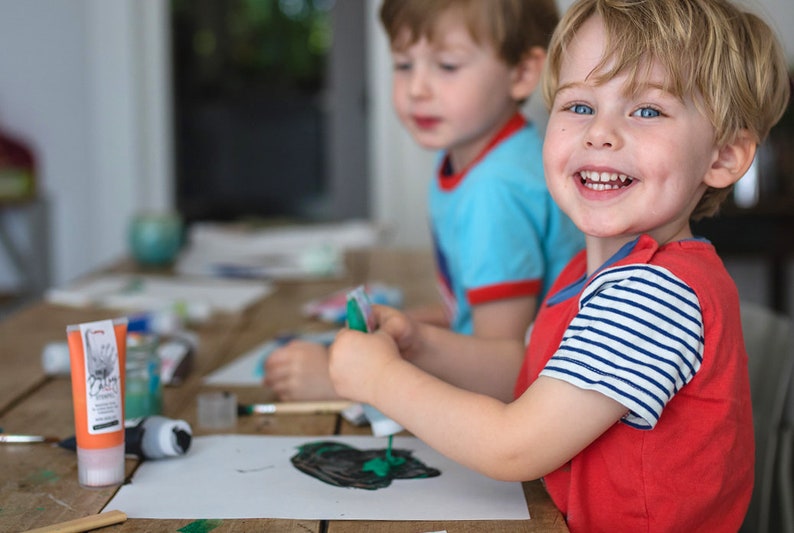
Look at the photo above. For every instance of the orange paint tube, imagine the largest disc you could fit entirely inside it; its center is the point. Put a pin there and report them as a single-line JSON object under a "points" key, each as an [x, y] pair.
{"points": [[97, 352]]}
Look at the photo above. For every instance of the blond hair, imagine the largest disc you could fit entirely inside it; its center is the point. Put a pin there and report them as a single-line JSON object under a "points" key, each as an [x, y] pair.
{"points": [[727, 60], [513, 27]]}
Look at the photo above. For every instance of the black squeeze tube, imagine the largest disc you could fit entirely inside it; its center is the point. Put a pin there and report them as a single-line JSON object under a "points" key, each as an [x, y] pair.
{"points": [[133, 441]]}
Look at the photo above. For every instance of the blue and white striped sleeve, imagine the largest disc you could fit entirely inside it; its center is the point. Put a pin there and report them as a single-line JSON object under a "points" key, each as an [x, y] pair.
{"points": [[637, 338]]}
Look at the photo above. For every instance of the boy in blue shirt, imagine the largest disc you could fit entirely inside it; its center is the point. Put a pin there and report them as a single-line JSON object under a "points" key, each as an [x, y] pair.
{"points": [[462, 70]]}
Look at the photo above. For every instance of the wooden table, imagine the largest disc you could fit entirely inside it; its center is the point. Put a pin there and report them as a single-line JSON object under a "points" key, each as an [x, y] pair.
{"points": [[38, 482]]}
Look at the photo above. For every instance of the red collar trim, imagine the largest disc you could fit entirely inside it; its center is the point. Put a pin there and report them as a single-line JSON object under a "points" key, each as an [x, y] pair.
{"points": [[447, 182]]}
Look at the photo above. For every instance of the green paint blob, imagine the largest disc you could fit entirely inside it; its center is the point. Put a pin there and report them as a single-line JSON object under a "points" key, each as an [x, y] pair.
{"points": [[342, 465], [201, 526], [381, 466]]}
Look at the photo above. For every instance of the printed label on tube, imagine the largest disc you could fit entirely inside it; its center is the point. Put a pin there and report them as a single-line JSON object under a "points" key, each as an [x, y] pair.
{"points": [[104, 394]]}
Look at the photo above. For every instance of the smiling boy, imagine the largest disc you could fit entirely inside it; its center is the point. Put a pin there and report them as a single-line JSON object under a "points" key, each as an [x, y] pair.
{"points": [[633, 403]]}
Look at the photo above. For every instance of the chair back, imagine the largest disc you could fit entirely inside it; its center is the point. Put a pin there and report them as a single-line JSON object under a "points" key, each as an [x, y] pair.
{"points": [[768, 340]]}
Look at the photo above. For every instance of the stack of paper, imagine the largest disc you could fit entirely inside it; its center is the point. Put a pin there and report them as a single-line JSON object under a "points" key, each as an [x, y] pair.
{"points": [[279, 253], [139, 293]]}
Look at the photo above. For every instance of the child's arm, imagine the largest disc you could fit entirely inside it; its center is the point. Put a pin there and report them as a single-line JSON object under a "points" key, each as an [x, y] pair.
{"points": [[504, 319], [522, 440], [486, 366], [433, 314], [299, 370]]}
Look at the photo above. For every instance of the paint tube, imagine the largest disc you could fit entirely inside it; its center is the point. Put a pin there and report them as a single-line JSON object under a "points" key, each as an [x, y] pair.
{"points": [[97, 352], [152, 437], [360, 318]]}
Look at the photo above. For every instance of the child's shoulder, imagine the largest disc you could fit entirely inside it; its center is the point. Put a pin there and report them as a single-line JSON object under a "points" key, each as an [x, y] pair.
{"points": [[693, 263]]}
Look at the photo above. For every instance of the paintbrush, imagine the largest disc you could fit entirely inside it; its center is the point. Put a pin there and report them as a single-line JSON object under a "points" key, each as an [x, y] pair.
{"points": [[27, 439], [293, 408]]}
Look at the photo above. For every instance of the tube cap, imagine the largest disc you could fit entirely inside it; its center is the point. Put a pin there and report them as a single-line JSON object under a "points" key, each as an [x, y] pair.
{"points": [[103, 467], [382, 426], [55, 359], [164, 437]]}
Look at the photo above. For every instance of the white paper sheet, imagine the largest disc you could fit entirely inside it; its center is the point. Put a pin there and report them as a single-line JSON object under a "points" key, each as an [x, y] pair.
{"points": [[248, 369], [249, 476]]}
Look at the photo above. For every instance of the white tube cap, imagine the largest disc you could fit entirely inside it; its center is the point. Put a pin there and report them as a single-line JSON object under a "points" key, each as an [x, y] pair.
{"points": [[55, 359], [103, 467], [382, 426], [164, 437]]}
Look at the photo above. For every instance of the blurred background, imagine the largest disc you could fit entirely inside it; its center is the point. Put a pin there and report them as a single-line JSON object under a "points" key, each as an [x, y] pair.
{"points": [[257, 110]]}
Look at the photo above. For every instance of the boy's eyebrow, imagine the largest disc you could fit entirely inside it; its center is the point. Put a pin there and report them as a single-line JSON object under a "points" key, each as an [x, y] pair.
{"points": [[633, 88], [566, 86]]}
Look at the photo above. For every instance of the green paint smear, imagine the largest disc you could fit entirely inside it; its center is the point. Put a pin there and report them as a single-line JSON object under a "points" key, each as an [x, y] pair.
{"points": [[342, 465], [42, 476], [381, 466], [201, 526]]}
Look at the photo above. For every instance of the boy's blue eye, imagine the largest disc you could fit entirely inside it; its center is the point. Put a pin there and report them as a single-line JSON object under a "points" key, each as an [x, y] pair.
{"points": [[449, 67], [647, 112], [402, 65], [581, 109]]}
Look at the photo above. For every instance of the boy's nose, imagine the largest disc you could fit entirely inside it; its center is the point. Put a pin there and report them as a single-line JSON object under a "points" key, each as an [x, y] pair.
{"points": [[418, 86], [602, 133]]}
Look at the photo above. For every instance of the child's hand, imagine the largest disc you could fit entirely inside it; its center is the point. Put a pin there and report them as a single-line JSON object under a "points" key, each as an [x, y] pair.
{"points": [[299, 371], [400, 326], [358, 362]]}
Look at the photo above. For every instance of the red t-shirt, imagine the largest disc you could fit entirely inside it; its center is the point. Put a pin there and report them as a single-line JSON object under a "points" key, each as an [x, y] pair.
{"points": [[694, 470]]}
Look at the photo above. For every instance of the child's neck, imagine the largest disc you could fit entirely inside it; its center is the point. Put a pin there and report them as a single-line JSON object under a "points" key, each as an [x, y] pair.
{"points": [[601, 249], [461, 159]]}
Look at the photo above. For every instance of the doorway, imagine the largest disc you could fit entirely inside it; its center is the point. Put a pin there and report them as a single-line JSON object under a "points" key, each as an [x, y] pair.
{"points": [[269, 109]]}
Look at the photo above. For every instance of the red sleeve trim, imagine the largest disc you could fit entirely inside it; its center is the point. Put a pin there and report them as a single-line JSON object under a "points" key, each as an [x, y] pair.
{"points": [[503, 291]]}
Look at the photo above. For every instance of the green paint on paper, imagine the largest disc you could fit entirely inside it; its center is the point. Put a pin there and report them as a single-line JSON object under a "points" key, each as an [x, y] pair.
{"points": [[201, 526], [341, 465], [382, 466]]}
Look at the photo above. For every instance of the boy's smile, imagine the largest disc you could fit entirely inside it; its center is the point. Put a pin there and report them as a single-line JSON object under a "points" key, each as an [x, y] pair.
{"points": [[604, 181], [624, 162]]}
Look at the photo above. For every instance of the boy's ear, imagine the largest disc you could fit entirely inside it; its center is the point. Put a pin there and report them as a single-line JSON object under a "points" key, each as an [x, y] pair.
{"points": [[527, 73], [732, 162]]}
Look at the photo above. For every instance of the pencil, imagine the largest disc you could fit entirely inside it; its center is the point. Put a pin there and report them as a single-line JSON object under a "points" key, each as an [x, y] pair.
{"points": [[86, 523], [294, 408]]}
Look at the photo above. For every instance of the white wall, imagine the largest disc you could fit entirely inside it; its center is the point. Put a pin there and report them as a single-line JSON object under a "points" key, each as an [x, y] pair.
{"points": [[86, 82], [43, 99]]}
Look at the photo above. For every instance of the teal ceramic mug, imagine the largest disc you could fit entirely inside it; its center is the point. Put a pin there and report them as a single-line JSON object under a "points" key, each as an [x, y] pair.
{"points": [[156, 238]]}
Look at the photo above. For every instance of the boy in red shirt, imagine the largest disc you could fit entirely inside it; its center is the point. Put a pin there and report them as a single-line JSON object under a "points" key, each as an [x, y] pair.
{"points": [[633, 402]]}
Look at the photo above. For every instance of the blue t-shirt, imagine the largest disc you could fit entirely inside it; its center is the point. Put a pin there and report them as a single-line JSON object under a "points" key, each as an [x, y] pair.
{"points": [[497, 232]]}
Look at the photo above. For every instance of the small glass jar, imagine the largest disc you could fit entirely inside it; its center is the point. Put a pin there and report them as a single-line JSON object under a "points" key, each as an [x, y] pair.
{"points": [[143, 394], [156, 238]]}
